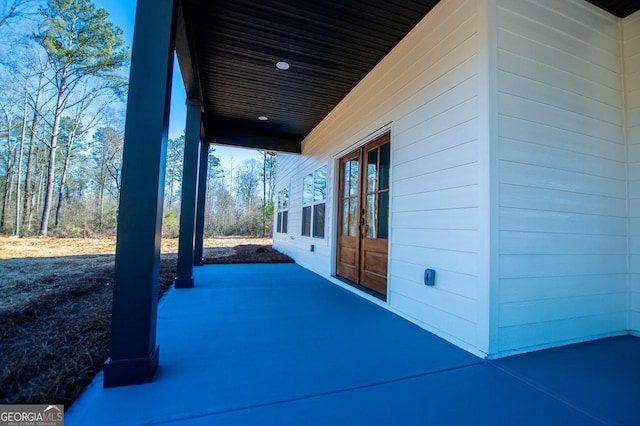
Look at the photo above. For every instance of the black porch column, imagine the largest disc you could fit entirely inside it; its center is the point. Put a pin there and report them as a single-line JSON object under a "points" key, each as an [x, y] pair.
{"points": [[184, 279], [134, 354], [200, 208]]}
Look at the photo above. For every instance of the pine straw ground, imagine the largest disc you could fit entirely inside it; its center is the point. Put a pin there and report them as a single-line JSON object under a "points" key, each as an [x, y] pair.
{"points": [[55, 309]]}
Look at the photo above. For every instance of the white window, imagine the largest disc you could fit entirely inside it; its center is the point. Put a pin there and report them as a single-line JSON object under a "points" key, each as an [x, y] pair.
{"points": [[314, 198], [283, 211]]}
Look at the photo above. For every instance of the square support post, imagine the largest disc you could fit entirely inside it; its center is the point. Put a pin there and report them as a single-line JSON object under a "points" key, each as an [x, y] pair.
{"points": [[134, 353], [186, 242], [200, 209]]}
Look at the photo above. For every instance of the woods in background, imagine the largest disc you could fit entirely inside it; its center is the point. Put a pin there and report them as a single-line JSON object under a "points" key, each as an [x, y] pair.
{"points": [[239, 198], [63, 69]]}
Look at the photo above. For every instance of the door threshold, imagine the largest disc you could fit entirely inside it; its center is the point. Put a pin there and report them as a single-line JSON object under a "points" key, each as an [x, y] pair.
{"points": [[362, 288]]}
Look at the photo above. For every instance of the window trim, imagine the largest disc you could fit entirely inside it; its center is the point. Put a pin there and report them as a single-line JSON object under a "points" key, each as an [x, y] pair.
{"points": [[282, 211], [310, 206]]}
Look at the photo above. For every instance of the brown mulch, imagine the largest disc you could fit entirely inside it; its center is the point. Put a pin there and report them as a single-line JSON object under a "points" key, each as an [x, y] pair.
{"points": [[249, 253], [54, 343], [55, 318]]}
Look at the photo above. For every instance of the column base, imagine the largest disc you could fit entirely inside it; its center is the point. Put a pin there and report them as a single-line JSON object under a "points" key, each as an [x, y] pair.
{"points": [[132, 371], [180, 282]]}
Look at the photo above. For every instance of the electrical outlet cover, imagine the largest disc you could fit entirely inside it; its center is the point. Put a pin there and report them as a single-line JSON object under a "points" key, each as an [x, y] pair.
{"points": [[429, 277]]}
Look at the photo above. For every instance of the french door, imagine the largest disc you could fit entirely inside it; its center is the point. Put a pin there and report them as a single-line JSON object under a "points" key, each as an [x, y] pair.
{"points": [[363, 211]]}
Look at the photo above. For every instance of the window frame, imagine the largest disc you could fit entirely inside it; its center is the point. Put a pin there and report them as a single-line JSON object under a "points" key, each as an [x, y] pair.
{"points": [[314, 203], [282, 211]]}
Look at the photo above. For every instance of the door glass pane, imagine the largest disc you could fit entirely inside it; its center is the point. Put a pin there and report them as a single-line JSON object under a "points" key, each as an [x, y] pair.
{"points": [[383, 215], [318, 220], [344, 226], [385, 164], [353, 217], [346, 178], [351, 178], [372, 170], [279, 224], [372, 228]]}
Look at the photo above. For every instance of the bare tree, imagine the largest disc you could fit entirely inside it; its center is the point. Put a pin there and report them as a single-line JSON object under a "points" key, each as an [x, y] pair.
{"points": [[41, 67], [83, 119], [11, 9], [23, 132], [268, 183], [107, 154], [80, 44], [175, 154], [9, 119], [24, 72], [6, 154], [71, 128], [248, 183]]}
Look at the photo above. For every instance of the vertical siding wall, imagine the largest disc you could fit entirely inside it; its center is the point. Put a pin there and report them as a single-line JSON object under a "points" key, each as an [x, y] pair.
{"points": [[562, 178], [427, 89], [631, 49]]}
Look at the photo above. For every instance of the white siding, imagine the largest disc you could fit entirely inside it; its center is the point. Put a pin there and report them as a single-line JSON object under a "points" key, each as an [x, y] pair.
{"points": [[426, 90], [631, 46], [291, 169], [539, 250], [562, 175]]}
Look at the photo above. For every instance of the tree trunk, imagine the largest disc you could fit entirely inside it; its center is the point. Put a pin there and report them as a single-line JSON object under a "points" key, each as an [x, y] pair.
{"points": [[9, 199], [171, 191], [63, 179], [28, 193], [101, 208], [5, 203], [8, 181], [39, 195], [20, 155], [102, 185], [51, 168], [8, 195]]}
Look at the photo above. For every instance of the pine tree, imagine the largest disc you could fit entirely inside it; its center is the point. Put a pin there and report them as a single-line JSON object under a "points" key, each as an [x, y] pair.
{"points": [[81, 45]]}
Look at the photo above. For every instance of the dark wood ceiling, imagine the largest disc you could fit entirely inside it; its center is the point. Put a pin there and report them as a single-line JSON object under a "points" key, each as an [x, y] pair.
{"points": [[619, 8], [330, 46], [228, 50]]}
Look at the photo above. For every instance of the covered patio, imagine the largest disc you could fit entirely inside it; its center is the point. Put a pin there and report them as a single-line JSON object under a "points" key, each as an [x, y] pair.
{"points": [[278, 344]]}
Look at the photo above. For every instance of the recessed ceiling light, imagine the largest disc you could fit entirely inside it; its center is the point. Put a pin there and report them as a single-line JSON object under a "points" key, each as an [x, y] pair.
{"points": [[263, 118], [282, 65]]}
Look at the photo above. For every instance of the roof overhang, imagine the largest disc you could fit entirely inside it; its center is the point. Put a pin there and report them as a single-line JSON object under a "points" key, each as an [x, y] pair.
{"points": [[228, 50]]}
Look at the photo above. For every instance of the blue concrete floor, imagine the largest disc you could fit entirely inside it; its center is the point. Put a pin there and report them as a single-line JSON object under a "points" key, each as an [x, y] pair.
{"points": [[277, 344]]}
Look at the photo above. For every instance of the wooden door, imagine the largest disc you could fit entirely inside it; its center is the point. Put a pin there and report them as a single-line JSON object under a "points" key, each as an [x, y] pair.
{"points": [[363, 229], [349, 214]]}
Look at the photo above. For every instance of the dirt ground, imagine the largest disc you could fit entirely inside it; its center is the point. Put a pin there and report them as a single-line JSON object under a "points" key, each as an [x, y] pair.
{"points": [[11, 247], [55, 308]]}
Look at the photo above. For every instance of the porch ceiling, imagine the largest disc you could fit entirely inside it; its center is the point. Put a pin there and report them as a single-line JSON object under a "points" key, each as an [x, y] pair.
{"points": [[234, 46], [620, 8], [228, 50]]}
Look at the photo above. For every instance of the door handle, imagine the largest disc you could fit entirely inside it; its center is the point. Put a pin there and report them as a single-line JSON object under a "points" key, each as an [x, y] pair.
{"points": [[361, 221]]}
